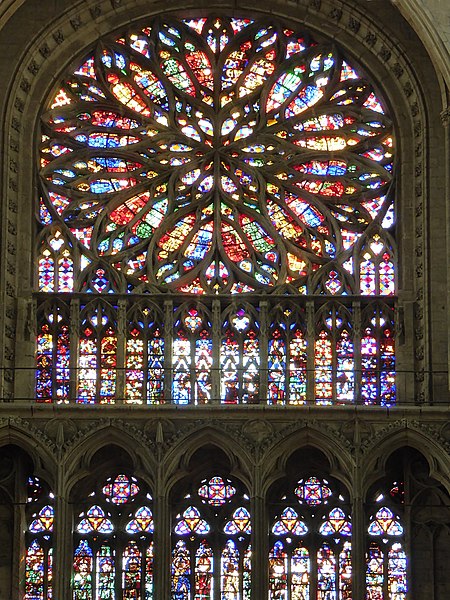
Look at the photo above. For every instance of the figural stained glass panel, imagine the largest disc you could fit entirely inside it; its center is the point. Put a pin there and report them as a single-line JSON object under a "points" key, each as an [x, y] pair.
{"points": [[39, 541], [113, 542], [310, 554], [216, 155], [386, 558], [211, 542]]}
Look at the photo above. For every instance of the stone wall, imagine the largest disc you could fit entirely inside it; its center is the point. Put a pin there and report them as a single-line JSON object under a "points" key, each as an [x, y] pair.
{"points": [[404, 46]]}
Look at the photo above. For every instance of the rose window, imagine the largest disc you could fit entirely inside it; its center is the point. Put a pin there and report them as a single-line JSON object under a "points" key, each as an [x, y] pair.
{"points": [[216, 155]]}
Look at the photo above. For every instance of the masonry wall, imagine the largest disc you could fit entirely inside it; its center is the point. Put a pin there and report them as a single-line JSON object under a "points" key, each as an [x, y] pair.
{"points": [[405, 48]]}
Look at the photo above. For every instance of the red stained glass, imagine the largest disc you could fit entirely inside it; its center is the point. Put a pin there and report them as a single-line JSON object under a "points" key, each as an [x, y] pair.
{"points": [[313, 491], [203, 572], [39, 542], [121, 490], [211, 549], [44, 520], [216, 491], [181, 572], [255, 76], [386, 560], [97, 357], [114, 551], [385, 523], [143, 521], [326, 573], [95, 520], [249, 160], [378, 381], [311, 555], [278, 572], [36, 573]]}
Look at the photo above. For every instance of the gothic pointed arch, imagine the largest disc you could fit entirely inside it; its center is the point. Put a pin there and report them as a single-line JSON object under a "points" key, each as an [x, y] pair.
{"points": [[181, 164], [310, 525], [211, 527], [238, 215]]}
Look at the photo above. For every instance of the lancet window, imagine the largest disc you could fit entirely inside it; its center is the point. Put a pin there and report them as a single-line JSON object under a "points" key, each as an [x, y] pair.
{"points": [[97, 360], [144, 361], [211, 529], [195, 161], [113, 542], [386, 570], [39, 541], [240, 356], [334, 356], [274, 353], [192, 355], [310, 537], [53, 352], [287, 356]]}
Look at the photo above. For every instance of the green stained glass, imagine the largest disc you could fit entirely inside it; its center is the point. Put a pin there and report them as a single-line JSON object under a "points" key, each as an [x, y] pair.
{"points": [[247, 106]]}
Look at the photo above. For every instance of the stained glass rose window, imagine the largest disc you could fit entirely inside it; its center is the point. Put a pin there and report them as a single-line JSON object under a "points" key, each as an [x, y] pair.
{"points": [[216, 155]]}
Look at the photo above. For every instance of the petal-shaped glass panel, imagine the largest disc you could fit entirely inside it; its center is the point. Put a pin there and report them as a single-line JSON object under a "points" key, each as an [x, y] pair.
{"points": [[247, 106]]}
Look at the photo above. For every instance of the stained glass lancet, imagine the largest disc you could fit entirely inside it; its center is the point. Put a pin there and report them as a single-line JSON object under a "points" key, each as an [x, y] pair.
{"points": [[97, 354], [113, 543], [192, 356], [53, 353], [287, 363], [240, 357], [211, 542], [39, 541], [310, 555], [144, 362], [386, 559]]}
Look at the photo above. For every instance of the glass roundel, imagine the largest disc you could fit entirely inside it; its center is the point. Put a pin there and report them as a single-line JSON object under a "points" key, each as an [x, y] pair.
{"points": [[216, 155]]}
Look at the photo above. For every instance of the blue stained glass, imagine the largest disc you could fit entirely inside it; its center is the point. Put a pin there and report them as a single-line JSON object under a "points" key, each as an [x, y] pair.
{"points": [[103, 140], [311, 218], [193, 151], [202, 246], [44, 214], [181, 571], [308, 96], [102, 187], [120, 60]]}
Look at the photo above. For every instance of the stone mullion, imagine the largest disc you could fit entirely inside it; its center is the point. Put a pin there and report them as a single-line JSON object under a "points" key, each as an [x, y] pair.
{"points": [[216, 339], [168, 344], [19, 525], [62, 540], [358, 549], [310, 339], [357, 351], [433, 534], [407, 521], [217, 545], [74, 347], [358, 526], [263, 350], [192, 366], [313, 551], [25, 352], [120, 356], [99, 335], [260, 550], [162, 547], [445, 115]]}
